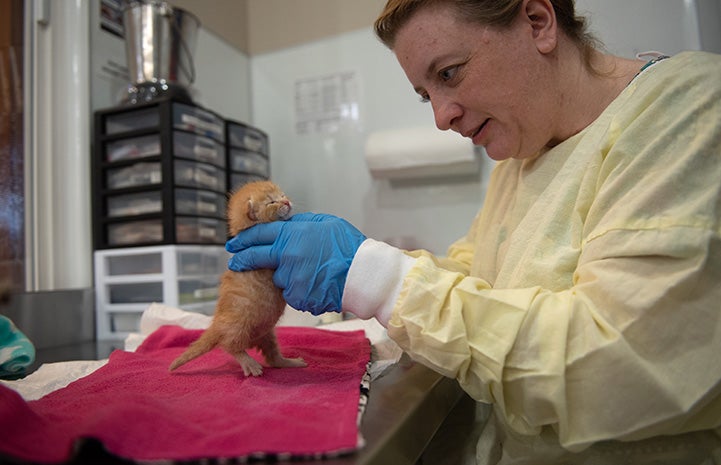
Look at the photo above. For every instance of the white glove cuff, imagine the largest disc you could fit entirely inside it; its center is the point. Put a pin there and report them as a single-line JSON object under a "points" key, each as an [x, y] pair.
{"points": [[374, 280]]}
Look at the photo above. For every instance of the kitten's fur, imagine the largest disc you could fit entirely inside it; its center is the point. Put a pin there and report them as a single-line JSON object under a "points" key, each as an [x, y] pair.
{"points": [[249, 305]]}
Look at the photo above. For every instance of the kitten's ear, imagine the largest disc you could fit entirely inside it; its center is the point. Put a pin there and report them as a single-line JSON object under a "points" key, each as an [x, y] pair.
{"points": [[251, 212]]}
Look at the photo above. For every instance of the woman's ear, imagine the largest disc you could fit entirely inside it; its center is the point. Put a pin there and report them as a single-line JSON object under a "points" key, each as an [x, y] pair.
{"points": [[539, 14]]}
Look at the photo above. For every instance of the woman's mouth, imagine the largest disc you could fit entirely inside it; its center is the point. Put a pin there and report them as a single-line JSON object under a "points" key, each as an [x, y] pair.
{"points": [[476, 136]]}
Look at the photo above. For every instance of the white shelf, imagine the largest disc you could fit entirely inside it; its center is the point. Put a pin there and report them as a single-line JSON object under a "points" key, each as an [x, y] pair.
{"points": [[128, 280]]}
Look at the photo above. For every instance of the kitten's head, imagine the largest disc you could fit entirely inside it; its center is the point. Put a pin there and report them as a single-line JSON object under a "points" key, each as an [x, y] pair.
{"points": [[256, 202]]}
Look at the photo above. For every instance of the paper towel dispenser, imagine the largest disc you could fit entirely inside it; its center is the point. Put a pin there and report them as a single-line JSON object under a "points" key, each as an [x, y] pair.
{"points": [[419, 152]]}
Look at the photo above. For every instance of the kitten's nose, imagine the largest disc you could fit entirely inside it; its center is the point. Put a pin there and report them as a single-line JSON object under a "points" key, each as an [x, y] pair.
{"points": [[285, 207]]}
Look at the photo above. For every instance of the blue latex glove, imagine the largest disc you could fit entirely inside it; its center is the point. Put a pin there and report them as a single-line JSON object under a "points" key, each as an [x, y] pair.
{"points": [[310, 253]]}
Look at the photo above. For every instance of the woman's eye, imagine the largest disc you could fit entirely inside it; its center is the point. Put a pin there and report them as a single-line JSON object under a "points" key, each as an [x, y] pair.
{"points": [[448, 74], [424, 98]]}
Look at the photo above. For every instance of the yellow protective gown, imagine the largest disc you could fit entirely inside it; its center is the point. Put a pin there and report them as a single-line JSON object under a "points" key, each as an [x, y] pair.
{"points": [[585, 301]]}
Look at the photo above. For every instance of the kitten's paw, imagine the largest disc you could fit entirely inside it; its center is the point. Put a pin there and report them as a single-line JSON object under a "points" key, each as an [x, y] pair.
{"points": [[251, 367]]}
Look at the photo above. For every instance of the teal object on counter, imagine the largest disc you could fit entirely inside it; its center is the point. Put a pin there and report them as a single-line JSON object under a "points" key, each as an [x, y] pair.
{"points": [[17, 353]]}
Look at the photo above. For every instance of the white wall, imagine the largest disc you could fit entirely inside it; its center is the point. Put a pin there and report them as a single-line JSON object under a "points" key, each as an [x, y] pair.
{"points": [[628, 27], [326, 171], [223, 77]]}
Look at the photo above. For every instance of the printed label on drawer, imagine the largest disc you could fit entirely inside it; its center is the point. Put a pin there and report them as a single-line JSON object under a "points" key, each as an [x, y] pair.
{"points": [[129, 121], [134, 204], [253, 142], [207, 203], [199, 175], [193, 202], [206, 232], [247, 137], [207, 207], [206, 152], [138, 174], [196, 122], [135, 232], [250, 162], [137, 147], [206, 178]]}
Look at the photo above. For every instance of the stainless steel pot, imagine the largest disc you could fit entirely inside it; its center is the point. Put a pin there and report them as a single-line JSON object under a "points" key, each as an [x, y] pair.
{"points": [[159, 43]]}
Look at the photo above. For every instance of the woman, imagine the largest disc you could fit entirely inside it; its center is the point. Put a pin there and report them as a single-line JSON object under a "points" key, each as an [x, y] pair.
{"points": [[584, 303]]}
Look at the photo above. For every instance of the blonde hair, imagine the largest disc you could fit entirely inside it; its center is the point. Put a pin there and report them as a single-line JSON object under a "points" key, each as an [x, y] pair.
{"points": [[498, 13]]}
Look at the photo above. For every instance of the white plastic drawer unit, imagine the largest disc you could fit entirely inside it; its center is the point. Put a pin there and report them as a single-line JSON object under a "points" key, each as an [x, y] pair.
{"points": [[128, 280]]}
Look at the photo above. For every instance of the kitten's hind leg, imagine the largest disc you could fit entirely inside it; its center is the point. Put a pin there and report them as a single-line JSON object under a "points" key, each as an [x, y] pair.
{"points": [[249, 364], [269, 347]]}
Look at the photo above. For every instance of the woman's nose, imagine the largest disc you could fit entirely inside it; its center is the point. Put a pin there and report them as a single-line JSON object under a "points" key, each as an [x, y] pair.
{"points": [[446, 113]]}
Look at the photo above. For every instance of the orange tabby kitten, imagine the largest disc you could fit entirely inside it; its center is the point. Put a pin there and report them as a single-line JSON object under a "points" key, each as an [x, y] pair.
{"points": [[249, 305]]}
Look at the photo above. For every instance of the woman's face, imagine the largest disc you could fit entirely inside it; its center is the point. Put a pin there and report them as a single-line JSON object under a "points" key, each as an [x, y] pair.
{"points": [[493, 86]]}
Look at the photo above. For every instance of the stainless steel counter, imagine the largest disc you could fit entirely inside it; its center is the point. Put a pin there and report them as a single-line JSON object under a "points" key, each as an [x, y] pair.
{"points": [[406, 408]]}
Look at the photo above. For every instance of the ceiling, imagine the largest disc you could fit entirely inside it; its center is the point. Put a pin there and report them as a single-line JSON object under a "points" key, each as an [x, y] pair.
{"points": [[260, 26]]}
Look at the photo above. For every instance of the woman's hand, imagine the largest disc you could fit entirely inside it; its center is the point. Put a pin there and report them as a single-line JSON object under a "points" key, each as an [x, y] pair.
{"points": [[310, 253]]}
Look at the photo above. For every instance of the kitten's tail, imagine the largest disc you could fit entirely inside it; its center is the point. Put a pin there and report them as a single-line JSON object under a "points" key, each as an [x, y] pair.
{"points": [[205, 343]]}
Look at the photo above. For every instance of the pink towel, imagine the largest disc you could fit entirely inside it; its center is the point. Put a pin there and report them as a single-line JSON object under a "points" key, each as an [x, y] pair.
{"points": [[206, 409]]}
